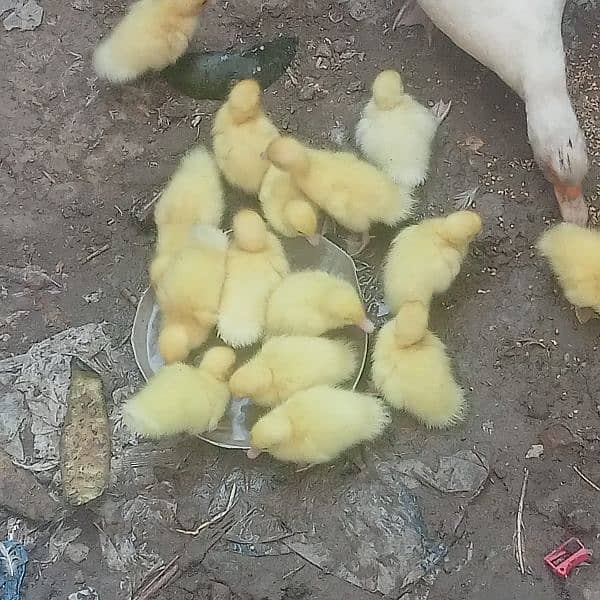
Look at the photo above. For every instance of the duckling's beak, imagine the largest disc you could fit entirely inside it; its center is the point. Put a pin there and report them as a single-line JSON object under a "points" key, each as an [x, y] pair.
{"points": [[314, 240], [571, 202], [253, 453], [366, 325]]}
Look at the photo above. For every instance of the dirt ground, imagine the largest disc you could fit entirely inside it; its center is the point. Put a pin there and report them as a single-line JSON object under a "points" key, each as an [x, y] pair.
{"points": [[77, 154]]}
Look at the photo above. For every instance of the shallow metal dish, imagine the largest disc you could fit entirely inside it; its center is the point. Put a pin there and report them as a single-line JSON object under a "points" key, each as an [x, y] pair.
{"points": [[233, 431]]}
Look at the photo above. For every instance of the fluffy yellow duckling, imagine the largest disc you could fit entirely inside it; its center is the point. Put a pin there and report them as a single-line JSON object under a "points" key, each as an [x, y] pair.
{"points": [[241, 133], [574, 256], [286, 208], [313, 302], [193, 196], [151, 36], [256, 263], [287, 364], [412, 371], [183, 399], [395, 132], [353, 192], [425, 258], [188, 294], [318, 424]]}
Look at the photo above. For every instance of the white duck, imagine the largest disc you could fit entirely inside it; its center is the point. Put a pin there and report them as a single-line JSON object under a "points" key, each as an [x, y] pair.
{"points": [[520, 40]]}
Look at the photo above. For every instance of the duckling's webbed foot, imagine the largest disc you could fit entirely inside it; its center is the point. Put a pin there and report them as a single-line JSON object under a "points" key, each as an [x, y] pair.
{"points": [[441, 109], [355, 244], [412, 14]]}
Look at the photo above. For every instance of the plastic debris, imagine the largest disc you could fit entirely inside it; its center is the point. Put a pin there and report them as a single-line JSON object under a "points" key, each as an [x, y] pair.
{"points": [[85, 441], [59, 541], [27, 16], [462, 473], [38, 383], [13, 566], [567, 557]]}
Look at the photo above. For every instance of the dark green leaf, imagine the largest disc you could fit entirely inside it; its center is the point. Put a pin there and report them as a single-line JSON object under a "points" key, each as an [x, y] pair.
{"points": [[211, 75]]}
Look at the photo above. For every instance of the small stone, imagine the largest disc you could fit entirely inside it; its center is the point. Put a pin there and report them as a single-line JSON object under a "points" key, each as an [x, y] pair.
{"points": [[323, 51], [77, 553], [339, 46], [307, 92], [535, 451]]}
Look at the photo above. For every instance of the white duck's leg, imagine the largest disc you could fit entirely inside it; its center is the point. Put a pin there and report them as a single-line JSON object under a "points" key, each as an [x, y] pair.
{"points": [[573, 210], [412, 14]]}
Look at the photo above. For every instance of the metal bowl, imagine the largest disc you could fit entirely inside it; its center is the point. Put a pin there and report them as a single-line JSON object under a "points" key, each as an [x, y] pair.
{"points": [[233, 431]]}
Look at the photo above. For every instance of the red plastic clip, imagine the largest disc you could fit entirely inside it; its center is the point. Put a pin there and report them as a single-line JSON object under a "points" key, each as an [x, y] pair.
{"points": [[566, 557]]}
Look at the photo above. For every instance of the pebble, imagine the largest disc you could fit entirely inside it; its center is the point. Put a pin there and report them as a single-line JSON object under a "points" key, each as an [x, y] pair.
{"points": [[76, 552], [338, 46], [307, 92]]}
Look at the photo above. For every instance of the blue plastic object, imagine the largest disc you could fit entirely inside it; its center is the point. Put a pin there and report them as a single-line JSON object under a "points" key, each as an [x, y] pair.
{"points": [[13, 565]]}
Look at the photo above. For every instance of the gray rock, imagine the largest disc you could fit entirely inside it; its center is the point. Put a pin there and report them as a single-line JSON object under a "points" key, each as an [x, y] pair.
{"points": [[76, 552], [22, 494]]}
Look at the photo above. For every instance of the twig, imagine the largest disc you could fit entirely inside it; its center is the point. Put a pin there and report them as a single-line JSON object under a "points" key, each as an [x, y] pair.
{"points": [[216, 518], [49, 177], [294, 571], [533, 342], [162, 579], [586, 479], [306, 468], [95, 254], [519, 528], [224, 528]]}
